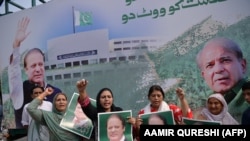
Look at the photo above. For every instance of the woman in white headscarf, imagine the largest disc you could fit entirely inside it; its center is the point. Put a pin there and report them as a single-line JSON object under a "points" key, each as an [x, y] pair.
{"points": [[217, 110]]}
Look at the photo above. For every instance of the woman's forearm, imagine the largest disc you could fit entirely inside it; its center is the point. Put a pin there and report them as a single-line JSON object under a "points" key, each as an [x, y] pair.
{"points": [[33, 110]]}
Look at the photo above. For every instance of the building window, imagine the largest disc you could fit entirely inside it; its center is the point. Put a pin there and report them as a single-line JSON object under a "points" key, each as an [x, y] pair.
{"points": [[136, 41], [112, 59], [153, 46], [126, 42], [67, 83], [61, 65], [144, 47], [144, 41], [97, 72], [76, 63], [46, 67], [117, 49], [58, 77], [53, 67], [153, 40], [141, 57], [131, 58], [93, 61], [110, 71], [85, 62], [77, 75], [68, 64], [117, 42], [135, 48], [103, 60], [122, 58], [126, 48], [49, 78], [86, 74], [67, 76]]}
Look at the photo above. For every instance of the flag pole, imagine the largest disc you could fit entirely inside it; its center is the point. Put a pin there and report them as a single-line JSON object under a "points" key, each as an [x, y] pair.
{"points": [[73, 13]]}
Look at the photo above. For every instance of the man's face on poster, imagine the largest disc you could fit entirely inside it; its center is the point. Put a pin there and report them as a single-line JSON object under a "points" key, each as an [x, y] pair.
{"points": [[115, 129], [155, 120], [221, 69], [79, 114], [35, 67]]}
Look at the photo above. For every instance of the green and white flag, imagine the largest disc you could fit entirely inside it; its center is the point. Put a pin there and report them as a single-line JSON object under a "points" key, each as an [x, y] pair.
{"points": [[82, 18]]}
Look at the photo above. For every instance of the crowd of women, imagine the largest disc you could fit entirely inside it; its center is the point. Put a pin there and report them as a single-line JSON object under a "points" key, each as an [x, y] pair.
{"points": [[215, 110]]}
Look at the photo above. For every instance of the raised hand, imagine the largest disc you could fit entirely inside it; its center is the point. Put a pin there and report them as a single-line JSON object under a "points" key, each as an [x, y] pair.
{"points": [[180, 93], [81, 85], [49, 91], [21, 32]]}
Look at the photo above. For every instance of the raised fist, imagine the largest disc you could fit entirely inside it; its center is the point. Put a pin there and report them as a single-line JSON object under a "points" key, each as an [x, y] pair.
{"points": [[49, 90], [180, 93], [81, 84]]}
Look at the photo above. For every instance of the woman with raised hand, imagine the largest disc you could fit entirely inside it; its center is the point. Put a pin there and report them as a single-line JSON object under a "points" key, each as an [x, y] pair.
{"points": [[104, 103], [52, 119], [156, 104]]}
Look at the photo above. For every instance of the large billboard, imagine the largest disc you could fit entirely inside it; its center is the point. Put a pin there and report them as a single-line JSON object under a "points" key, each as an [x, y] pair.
{"points": [[125, 45]]}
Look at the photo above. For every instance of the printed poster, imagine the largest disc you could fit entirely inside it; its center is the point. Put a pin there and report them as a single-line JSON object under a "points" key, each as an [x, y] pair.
{"points": [[158, 118], [75, 120], [114, 125], [188, 121]]}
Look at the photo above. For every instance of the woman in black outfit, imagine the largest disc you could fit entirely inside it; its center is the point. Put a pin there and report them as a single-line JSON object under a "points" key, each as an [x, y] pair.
{"points": [[104, 103]]}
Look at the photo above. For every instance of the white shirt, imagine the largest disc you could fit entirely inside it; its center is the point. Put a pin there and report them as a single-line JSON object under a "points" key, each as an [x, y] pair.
{"points": [[39, 134], [26, 118]]}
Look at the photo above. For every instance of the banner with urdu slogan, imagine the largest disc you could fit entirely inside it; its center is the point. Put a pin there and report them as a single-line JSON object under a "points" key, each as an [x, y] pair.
{"points": [[188, 121], [158, 118], [75, 120], [110, 122]]}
